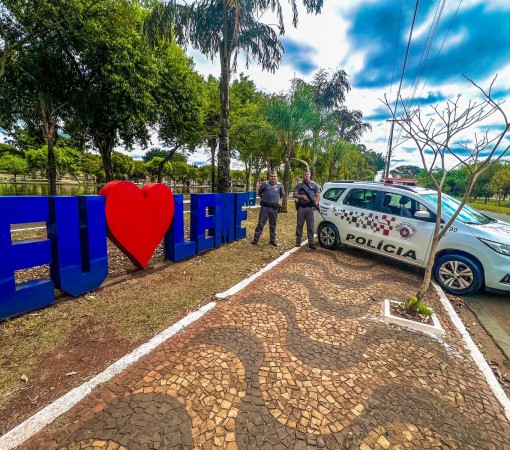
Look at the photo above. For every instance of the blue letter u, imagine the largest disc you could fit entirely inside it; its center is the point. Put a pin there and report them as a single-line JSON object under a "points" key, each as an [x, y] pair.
{"points": [[77, 230]]}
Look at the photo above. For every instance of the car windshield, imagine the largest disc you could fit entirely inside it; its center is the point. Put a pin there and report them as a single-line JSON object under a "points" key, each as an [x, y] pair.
{"points": [[467, 215]]}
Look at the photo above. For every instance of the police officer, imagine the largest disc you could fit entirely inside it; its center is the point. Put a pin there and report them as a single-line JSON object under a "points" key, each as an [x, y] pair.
{"points": [[270, 193], [304, 191]]}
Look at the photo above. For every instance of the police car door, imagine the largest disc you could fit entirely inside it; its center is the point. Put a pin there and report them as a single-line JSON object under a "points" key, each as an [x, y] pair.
{"points": [[405, 236], [356, 217]]}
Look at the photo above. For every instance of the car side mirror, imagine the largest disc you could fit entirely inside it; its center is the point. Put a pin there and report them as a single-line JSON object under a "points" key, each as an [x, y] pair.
{"points": [[423, 215]]}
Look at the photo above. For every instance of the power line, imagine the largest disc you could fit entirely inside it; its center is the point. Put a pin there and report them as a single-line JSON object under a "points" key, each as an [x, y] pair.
{"points": [[400, 87], [398, 140], [440, 48], [426, 49], [394, 64]]}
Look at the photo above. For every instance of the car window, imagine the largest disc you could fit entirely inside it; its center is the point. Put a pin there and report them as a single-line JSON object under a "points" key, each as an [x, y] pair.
{"points": [[361, 198], [467, 214], [333, 194], [402, 205]]}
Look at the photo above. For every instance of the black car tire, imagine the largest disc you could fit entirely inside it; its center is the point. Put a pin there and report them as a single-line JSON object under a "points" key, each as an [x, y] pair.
{"points": [[328, 235], [458, 274]]}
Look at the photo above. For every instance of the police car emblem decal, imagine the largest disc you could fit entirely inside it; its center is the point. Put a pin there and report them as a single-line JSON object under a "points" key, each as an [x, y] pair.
{"points": [[406, 230], [379, 224]]}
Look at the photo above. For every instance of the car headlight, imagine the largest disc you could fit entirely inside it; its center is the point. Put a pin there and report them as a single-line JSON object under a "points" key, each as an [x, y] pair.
{"points": [[504, 249]]}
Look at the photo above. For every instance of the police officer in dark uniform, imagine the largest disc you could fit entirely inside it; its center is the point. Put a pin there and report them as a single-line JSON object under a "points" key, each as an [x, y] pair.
{"points": [[270, 193], [304, 191]]}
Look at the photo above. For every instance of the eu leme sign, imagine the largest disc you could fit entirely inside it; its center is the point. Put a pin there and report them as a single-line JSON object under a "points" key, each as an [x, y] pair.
{"points": [[136, 220]]}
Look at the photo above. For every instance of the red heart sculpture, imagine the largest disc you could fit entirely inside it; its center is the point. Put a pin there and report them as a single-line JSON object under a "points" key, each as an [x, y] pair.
{"points": [[137, 218]]}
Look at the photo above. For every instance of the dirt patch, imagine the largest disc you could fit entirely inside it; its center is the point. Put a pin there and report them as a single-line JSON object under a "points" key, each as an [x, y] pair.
{"points": [[498, 362], [88, 350], [400, 311]]}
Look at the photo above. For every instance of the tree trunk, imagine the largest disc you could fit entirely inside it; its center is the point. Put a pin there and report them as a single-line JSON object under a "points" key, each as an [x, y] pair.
{"points": [[224, 148], [52, 168], [212, 145], [162, 163], [49, 129], [256, 177], [427, 277], [106, 155], [247, 179], [286, 181]]}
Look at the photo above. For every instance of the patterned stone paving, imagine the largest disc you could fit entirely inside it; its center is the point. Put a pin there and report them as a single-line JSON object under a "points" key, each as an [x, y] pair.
{"points": [[298, 359]]}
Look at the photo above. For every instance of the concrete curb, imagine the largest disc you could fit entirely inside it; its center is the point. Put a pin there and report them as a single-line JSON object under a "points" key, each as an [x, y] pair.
{"points": [[33, 424], [476, 354]]}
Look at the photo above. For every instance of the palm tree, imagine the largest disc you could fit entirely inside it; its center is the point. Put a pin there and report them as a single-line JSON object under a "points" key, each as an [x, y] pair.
{"points": [[291, 116], [226, 27]]}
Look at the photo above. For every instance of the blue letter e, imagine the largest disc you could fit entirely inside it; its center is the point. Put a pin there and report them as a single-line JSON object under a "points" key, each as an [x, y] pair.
{"points": [[23, 297]]}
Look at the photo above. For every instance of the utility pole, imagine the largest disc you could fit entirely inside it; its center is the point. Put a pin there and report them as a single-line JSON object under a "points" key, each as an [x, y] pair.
{"points": [[386, 173]]}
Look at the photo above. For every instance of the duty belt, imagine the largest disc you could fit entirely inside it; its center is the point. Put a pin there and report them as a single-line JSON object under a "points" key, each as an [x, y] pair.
{"points": [[270, 205]]}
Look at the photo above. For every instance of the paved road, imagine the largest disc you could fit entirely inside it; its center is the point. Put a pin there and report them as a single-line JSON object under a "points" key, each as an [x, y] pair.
{"points": [[493, 310]]}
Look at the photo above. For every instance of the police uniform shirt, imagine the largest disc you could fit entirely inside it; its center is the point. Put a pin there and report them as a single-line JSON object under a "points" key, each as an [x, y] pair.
{"points": [[271, 193], [301, 189]]}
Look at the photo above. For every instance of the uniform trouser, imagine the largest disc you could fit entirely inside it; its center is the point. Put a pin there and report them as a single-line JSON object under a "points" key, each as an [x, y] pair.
{"points": [[272, 215], [304, 214]]}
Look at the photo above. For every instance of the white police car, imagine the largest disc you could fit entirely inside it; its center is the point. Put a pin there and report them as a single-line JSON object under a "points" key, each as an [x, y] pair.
{"points": [[398, 221]]}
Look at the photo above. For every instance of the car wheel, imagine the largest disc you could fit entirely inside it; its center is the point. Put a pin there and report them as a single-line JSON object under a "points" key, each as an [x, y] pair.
{"points": [[458, 274], [328, 235]]}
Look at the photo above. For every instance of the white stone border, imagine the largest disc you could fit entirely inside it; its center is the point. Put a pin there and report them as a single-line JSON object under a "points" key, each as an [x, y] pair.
{"points": [[435, 329], [239, 286], [479, 359], [48, 414]]}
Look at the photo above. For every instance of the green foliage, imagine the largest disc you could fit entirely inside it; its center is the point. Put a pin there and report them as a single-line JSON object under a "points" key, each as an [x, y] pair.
{"points": [[226, 28], [92, 166], [414, 305], [500, 182], [122, 165], [153, 153], [13, 164], [407, 171], [140, 170]]}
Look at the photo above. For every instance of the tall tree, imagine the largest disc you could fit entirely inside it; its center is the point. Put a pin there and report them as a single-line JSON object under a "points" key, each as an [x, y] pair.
{"points": [[329, 93], [116, 102], [291, 115], [226, 28], [251, 137], [36, 91], [212, 123], [181, 102], [439, 135]]}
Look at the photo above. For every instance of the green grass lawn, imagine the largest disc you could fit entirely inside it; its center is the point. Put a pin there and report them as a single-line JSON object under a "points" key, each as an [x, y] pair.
{"points": [[492, 205]]}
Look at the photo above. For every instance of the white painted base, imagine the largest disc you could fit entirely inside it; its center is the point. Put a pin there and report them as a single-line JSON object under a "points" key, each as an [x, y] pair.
{"points": [[435, 329]]}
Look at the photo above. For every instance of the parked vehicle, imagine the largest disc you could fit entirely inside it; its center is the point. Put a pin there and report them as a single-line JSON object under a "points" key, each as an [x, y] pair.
{"points": [[398, 221]]}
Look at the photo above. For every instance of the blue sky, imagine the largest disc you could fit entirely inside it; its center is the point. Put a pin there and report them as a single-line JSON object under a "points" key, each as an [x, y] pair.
{"points": [[364, 39]]}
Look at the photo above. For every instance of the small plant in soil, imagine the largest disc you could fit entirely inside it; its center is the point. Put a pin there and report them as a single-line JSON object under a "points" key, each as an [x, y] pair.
{"points": [[413, 309]]}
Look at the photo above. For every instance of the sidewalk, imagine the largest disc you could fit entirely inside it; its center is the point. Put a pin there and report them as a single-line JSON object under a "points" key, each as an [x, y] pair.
{"points": [[298, 359]]}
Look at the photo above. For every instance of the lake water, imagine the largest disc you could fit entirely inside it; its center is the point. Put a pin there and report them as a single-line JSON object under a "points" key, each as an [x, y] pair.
{"points": [[77, 189]]}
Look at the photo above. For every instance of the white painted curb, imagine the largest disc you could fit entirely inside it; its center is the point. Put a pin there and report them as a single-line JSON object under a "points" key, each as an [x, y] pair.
{"points": [[479, 359], [48, 414], [435, 329], [239, 286]]}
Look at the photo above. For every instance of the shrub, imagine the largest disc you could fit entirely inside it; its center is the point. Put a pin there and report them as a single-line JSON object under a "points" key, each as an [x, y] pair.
{"points": [[413, 305]]}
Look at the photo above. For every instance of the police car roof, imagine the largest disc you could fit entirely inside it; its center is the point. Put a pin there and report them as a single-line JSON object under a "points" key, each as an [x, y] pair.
{"points": [[417, 189]]}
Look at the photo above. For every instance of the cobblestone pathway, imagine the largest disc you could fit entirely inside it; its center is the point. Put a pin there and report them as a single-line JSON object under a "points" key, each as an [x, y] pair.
{"points": [[298, 359]]}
